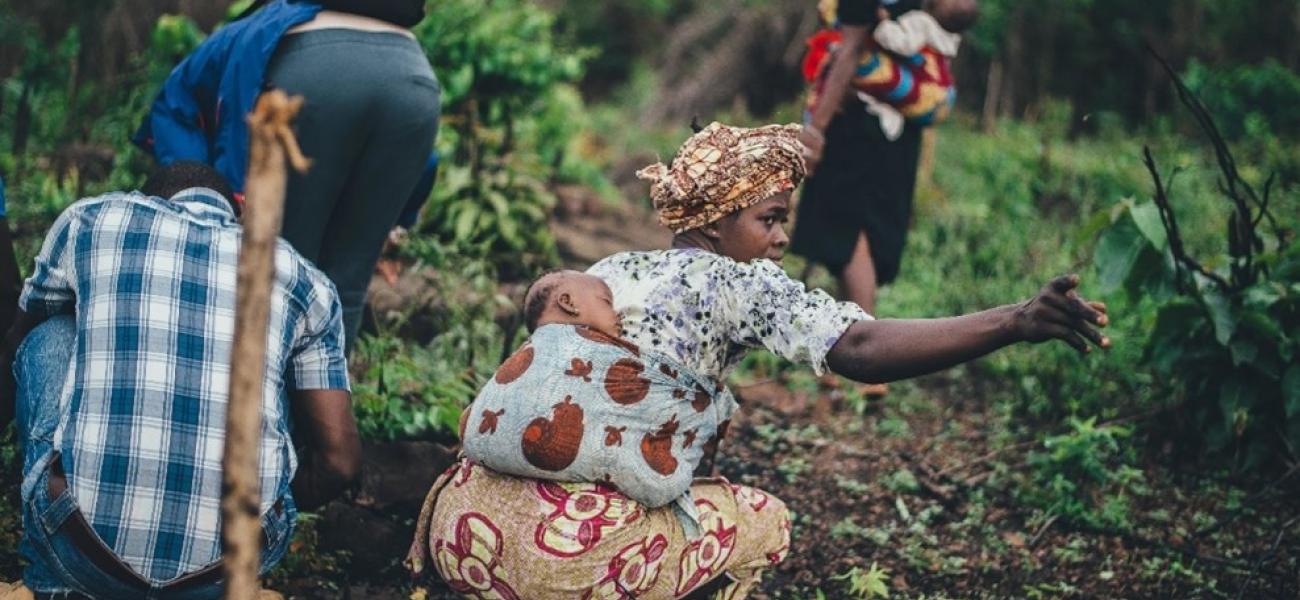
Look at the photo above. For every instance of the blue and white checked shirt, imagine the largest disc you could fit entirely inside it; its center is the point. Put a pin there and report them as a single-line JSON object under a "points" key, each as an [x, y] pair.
{"points": [[152, 285]]}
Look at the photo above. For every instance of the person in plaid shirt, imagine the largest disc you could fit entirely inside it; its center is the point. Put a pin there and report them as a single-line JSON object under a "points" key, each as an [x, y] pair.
{"points": [[126, 327]]}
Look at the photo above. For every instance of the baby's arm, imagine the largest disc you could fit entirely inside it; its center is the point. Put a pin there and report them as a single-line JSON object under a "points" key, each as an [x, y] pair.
{"points": [[907, 34]]}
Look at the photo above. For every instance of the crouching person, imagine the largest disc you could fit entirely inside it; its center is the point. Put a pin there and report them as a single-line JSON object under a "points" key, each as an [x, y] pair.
{"points": [[120, 386]]}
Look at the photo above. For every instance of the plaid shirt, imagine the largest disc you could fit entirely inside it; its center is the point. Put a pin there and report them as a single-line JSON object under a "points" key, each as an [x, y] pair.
{"points": [[152, 285]]}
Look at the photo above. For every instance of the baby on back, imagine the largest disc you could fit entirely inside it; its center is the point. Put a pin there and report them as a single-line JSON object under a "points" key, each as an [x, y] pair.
{"points": [[577, 403], [571, 298]]}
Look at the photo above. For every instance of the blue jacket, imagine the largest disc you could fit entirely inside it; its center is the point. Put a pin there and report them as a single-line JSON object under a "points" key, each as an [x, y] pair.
{"points": [[199, 114]]}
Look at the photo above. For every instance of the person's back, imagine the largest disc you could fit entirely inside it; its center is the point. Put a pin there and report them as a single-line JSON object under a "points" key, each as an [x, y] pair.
{"points": [[150, 283]]}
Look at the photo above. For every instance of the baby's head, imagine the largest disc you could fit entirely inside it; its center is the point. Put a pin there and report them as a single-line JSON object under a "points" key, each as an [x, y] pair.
{"points": [[954, 16], [572, 298]]}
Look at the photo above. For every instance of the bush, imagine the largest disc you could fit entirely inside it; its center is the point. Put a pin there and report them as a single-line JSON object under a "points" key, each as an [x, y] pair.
{"points": [[1237, 94], [1255, 102], [406, 389], [1226, 336], [509, 116]]}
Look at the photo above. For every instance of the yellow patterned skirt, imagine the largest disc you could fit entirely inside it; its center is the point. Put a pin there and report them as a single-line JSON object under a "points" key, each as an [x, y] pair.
{"points": [[494, 536]]}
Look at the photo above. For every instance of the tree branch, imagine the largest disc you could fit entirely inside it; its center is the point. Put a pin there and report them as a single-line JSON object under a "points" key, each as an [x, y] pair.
{"points": [[1244, 241], [1167, 218]]}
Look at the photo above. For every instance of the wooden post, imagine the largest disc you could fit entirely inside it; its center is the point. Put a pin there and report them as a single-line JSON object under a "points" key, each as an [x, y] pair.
{"points": [[270, 143]]}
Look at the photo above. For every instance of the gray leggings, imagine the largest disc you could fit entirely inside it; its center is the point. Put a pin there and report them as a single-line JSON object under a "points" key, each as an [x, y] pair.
{"points": [[368, 124]]}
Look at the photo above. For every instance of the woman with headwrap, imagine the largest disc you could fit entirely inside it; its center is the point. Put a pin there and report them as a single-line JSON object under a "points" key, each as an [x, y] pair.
{"points": [[715, 295]]}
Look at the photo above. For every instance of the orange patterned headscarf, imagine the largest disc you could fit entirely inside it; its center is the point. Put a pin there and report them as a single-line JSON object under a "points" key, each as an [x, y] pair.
{"points": [[721, 170]]}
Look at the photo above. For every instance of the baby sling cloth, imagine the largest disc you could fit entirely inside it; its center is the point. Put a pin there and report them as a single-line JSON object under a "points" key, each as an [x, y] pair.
{"points": [[573, 404]]}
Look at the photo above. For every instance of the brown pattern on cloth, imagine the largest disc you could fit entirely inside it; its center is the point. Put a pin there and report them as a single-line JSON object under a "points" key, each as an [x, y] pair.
{"points": [[723, 169]]}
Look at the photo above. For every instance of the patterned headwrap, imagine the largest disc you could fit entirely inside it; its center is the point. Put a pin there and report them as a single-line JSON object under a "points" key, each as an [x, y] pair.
{"points": [[721, 170]]}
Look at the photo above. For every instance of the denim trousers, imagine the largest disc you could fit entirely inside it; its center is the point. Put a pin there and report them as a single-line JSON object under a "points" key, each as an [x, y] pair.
{"points": [[56, 566]]}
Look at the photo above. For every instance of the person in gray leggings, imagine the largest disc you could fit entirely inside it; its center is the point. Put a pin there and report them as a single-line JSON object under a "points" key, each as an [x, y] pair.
{"points": [[368, 123]]}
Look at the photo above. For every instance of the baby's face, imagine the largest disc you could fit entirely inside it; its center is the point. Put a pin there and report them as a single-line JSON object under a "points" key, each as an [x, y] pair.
{"points": [[595, 303]]}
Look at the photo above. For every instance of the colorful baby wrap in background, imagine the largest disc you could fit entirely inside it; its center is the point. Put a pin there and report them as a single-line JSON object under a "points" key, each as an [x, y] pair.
{"points": [[920, 86], [575, 405]]}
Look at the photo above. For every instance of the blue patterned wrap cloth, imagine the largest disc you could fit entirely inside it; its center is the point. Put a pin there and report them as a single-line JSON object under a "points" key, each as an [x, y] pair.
{"points": [[575, 405]]}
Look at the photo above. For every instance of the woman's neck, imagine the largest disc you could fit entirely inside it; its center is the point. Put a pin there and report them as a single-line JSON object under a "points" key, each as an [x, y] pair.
{"points": [[694, 239]]}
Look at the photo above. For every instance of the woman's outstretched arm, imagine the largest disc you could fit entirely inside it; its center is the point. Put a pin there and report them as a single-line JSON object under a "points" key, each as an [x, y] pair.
{"points": [[892, 349]]}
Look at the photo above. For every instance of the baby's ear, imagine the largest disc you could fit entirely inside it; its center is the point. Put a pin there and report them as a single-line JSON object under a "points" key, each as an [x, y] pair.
{"points": [[565, 302]]}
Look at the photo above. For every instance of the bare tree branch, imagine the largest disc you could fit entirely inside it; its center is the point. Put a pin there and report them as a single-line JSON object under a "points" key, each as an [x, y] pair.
{"points": [[1181, 258], [1243, 240]]}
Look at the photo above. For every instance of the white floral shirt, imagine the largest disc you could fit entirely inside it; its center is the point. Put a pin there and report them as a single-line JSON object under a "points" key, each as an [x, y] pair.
{"points": [[707, 311]]}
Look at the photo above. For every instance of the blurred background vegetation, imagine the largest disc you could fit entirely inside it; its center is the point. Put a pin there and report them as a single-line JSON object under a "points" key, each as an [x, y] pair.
{"points": [[1040, 171]]}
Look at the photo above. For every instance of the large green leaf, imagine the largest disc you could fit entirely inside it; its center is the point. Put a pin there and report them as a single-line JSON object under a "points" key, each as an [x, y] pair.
{"points": [[1147, 218], [1243, 351], [1176, 324], [1237, 396], [1117, 251], [465, 222], [1221, 313]]}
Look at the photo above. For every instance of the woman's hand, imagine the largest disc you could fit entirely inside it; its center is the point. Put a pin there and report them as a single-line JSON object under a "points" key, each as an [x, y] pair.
{"points": [[813, 142], [1058, 312]]}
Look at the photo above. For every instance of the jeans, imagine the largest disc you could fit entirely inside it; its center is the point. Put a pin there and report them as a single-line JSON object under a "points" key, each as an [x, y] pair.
{"points": [[57, 566]]}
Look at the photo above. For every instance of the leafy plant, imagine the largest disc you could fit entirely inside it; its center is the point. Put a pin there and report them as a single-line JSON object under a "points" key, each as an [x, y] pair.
{"points": [[396, 395], [1081, 475], [406, 389], [1226, 334], [508, 121], [865, 585]]}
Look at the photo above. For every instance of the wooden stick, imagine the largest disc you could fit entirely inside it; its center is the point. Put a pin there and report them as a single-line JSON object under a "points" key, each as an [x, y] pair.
{"points": [[270, 143]]}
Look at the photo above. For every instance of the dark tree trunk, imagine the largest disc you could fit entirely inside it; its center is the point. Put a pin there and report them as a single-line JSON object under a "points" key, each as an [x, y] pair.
{"points": [[1013, 57], [23, 118], [992, 95]]}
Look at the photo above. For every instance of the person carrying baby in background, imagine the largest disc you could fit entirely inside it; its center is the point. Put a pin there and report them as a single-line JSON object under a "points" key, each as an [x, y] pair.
{"points": [[904, 72], [578, 403]]}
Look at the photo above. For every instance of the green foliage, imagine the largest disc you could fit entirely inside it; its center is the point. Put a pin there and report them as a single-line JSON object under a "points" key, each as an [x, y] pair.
{"points": [[1005, 213], [1266, 93], [1226, 333], [408, 390], [1082, 475], [509, 123], [902, 481], [1255, 103], [1229, 355], [866, 585], [175, 36], [396, 395]]}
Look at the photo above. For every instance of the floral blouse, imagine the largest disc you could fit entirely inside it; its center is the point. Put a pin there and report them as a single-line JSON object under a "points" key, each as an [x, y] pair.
{"points": [[707, 311]]}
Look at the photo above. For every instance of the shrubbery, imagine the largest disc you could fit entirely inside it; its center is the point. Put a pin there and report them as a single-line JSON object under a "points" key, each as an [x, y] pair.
{"points": [[1226, 339], [509, 117]]}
